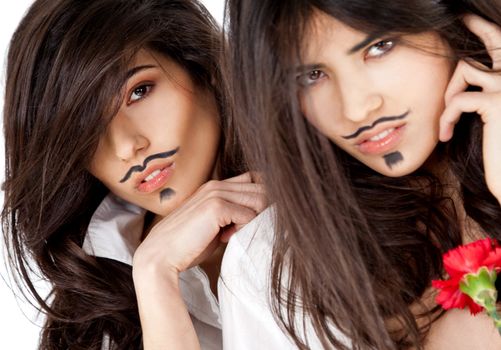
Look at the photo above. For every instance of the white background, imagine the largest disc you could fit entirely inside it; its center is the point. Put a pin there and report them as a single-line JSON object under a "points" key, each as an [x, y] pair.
{"points": [[18, 321]]}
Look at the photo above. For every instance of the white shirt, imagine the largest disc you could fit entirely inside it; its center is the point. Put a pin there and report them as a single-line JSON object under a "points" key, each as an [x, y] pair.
{"points": [[115, 231], [242, 319], [245, 293]]}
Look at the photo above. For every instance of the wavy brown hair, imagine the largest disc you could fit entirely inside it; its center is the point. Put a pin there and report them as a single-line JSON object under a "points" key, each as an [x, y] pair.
{"points": [[66, 68], [358, 247]]}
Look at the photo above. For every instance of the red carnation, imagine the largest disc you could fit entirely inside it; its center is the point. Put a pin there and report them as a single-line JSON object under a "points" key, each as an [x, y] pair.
{"points": [[472, 270], [463, 260]]}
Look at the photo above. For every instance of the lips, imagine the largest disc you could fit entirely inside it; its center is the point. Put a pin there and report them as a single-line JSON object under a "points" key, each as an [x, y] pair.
{"points": [[381, 140], [154, 177]]}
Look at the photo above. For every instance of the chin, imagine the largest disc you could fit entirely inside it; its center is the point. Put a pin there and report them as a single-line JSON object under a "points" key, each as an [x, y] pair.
{"points": [[401, 169], [394, 172]]}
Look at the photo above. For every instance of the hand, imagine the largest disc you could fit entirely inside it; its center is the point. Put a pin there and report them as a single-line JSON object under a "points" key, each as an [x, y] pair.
{"points": [[194, 230], [486, 103]]}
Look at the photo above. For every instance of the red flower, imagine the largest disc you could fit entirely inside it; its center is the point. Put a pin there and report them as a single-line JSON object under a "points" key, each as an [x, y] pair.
{"points": [[463, 260]]}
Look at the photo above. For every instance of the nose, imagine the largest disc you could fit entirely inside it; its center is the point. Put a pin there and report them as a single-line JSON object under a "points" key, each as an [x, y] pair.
{"points": [[127, 150], [359, 98], [127, 139]]}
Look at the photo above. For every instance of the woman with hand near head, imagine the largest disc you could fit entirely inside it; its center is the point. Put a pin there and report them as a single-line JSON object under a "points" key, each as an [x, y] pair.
{"points": [[117, 146], [345, 105]]}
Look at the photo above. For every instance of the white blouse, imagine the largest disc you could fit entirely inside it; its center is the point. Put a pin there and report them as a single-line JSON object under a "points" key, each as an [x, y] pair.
{"points": [[242, 319], [115, 232]]}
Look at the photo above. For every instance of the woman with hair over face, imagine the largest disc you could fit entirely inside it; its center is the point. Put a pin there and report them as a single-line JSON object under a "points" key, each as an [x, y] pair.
{"points": [[115, 140], [376, 127]]}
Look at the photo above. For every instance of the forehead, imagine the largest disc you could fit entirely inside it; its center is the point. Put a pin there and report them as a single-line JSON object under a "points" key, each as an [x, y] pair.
{"points": [[325, 36], [143, 56], [325, 31], [158, 63]]}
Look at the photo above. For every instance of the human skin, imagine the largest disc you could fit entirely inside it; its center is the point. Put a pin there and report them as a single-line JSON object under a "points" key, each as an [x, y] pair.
{"points": [[371, 102], [343, 92], [165, 135], [162, 110]]}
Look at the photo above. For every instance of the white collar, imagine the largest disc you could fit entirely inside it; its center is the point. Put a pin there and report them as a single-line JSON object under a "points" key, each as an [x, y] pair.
{"points": [[115, 231]]}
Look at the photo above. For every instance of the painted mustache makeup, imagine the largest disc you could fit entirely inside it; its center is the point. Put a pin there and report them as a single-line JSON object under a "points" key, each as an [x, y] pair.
{"points": [[373, 125], [140, 168], [384, 140]]}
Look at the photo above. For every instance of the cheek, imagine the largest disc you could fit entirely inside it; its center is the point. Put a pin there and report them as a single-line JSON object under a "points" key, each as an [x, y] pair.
{"points": [[154, 114], [321, 111], [441, 78], [177, 116], [430, 95], [430, 79], [99, 165], [308, 102]]}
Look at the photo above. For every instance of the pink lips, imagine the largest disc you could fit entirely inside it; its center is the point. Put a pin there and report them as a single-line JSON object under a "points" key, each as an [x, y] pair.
{"points": [[158, 181], [383, 145]]}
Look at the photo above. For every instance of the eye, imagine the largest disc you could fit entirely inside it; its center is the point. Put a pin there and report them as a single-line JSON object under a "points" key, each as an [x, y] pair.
{"points": [[310, 77], [139, 93], [380, 48]]}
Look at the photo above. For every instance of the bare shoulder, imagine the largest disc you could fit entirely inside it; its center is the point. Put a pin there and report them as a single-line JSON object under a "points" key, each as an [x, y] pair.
{"points": [[459, 330]]}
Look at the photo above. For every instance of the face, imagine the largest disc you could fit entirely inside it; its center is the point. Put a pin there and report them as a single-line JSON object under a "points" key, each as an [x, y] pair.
{"points": [[379, 99], [162, 144]]}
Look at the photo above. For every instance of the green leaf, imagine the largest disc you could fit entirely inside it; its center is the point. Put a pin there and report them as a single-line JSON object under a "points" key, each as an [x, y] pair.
{"points": [[480, 286]]}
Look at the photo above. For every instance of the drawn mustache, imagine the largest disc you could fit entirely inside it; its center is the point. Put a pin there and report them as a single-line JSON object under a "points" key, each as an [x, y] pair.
{"points": [[376, 122], [140, 168]]}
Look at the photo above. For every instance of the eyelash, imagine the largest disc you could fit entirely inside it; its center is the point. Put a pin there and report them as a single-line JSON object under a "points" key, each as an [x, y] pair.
{"points": [[306, 78], [147, 91], [378, 46]]}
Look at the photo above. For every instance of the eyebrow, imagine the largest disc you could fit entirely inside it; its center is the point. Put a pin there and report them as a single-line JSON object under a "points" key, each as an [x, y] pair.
{"points": [[138, 69], [370, 38]]}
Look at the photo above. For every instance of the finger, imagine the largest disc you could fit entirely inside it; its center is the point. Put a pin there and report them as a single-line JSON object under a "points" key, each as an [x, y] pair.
{"points": [[491, 150], [226, 213], [465, 102], [245, 177], [243, 187], [228, 231], [250, 176], [252, 200], [466, 74], [257, 187], [236, 186], [489, 33], [257, 177]]}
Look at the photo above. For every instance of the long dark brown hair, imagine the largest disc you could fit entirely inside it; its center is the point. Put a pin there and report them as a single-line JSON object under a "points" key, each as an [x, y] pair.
{"points": [[358, 247], [67, 64]]}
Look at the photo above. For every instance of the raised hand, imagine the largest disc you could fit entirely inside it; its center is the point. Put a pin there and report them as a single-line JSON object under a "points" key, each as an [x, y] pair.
{"points": [[192, 231], [486, 103], [181, 240]]}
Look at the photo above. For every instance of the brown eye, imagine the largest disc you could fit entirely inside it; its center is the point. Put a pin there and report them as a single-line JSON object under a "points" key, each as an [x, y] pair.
{"points": [[310, 77], [380, 48], [315, 74], [139, 93]]}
